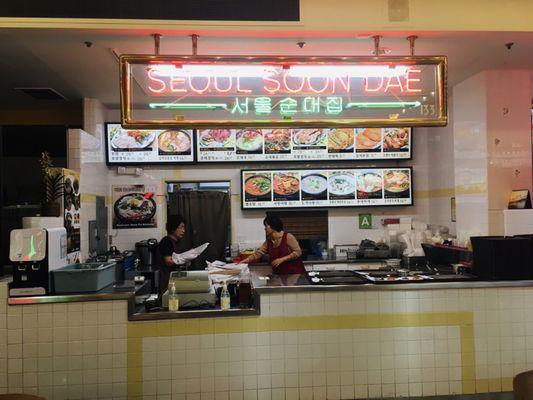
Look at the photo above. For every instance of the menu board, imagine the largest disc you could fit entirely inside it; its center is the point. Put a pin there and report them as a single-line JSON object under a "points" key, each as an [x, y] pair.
{"points": [[231, 145], [304, 188], [151, 146]]}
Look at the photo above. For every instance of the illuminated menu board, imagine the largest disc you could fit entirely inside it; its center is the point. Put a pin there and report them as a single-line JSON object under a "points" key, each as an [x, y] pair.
{"points": [[348, 187], [319, 92], [149, 146], [230, 145]]}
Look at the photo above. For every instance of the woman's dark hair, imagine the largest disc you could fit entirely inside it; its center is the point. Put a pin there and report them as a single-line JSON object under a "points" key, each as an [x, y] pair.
{"points": [[274, 222], [173, 222]]}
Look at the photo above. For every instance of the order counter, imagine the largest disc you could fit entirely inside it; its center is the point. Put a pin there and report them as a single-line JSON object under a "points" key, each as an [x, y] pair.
{"points": [[301, 342]]}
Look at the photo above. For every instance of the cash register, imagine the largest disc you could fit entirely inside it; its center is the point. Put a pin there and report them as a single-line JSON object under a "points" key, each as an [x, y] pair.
{"points": [[194, 289]]}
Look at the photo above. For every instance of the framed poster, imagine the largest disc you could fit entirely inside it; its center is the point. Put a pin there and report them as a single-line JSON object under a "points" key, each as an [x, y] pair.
{"points": [[311, 144], [148, 146], [308, 188], [134, 206], [519, 199]]}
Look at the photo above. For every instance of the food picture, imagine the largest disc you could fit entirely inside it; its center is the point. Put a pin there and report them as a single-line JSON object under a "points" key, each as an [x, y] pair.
{"points": [[71, 209], [216, 138], [131, 139], [174, 142], [369, 185], [249, 141], [341, 185], [396, 183], [286, 186], [257, 187], [314, 186], [135, 208], [396, 139], [277, 141], [309, 137], [368, 140], [340, 140]]}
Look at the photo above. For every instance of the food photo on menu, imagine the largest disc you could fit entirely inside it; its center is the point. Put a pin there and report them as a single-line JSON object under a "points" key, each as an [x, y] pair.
{"points": [[397, 183], [309, 139], [174, 142], [257, 186], [396, 139], [277, 141], [216, 139], [131, 140], [369, 184], [341, 185], [249, 141], [368, 140], [286, 186], [314, 185], [341, 140]]}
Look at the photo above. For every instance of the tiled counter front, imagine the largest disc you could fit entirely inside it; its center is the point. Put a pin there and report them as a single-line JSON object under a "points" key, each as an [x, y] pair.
{"points": [[64, 351], [325, 345]]}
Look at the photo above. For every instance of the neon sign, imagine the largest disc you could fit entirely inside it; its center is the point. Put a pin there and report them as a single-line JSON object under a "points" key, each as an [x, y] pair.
{"points": [[206, 92]]}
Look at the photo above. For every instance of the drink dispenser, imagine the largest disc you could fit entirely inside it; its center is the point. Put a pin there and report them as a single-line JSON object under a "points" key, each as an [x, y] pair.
{"points": [[34, 253]]}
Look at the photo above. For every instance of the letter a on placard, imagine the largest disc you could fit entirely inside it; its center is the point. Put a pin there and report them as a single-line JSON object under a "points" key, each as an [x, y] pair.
{"points": [[365, 221]]}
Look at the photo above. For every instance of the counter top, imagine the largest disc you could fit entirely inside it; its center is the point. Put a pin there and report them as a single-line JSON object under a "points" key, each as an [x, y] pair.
{"points": [[333, 261], [265, 282], [107, 293], [207, 313]]}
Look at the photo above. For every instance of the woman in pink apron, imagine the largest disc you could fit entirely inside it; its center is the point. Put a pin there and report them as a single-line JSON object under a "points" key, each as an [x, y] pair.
{"points": [[282, 248]]}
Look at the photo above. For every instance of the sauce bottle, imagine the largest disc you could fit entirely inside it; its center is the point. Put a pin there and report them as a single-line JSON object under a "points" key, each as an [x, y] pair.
{"points": [[173, 299], [224, 298]]}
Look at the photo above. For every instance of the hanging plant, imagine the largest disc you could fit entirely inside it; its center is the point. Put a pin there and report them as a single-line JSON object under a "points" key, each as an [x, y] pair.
{"points": [[53, 186]]}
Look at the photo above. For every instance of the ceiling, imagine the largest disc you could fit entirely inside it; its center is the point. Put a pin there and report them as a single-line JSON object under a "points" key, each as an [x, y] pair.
{"points": [[61, 60]]}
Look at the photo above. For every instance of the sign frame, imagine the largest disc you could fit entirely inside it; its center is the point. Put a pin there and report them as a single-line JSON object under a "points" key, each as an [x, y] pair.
{"points": [[296, 161], [110, 163], [126, 103], [325, 207]]}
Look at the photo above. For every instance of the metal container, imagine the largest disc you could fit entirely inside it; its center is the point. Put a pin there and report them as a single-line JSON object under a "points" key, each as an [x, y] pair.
{"points": [[146, 251]]}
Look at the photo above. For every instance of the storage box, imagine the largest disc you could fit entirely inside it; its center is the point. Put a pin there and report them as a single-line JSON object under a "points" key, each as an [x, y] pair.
{"points": [[85, 277]]}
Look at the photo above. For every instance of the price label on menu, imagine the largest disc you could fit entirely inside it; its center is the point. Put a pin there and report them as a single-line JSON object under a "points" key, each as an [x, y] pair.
{"points": [[151, 146], [305, 188], [238, 145]]}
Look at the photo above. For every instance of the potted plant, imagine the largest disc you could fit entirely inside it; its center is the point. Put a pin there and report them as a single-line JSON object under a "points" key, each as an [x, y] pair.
{"points": [[53, 187]]}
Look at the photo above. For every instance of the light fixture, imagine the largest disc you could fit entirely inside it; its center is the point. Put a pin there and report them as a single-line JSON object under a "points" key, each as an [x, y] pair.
{"points": [[352, 71]]}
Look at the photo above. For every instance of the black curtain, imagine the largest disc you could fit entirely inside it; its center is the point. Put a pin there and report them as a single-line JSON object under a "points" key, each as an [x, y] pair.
{"points": [[208, 220]]}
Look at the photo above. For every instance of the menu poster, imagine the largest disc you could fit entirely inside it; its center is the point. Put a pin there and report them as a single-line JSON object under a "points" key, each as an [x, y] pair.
{"points": [[304, 188], [134, 206], [519, 199], [71, 212], [151, 146], [311, 144]]}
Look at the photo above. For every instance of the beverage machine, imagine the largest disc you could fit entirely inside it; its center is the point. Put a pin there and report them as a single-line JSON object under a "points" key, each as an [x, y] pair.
{"points": [[34, 252]]}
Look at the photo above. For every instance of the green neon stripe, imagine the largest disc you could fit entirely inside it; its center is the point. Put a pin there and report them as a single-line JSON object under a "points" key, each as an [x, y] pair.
{"points": [[392, 104], [189, 106], [32, 248]]}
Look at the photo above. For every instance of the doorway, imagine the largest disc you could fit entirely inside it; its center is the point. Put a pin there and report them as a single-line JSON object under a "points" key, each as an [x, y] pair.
{"points": [[206, 207]]}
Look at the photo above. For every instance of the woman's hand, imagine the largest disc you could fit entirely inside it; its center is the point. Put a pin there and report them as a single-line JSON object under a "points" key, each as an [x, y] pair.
{"points": [[277, 262]]}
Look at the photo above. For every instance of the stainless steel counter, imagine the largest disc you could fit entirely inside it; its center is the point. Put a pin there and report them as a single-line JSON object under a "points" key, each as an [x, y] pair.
{"points": [[265, 282], [208, 313]]}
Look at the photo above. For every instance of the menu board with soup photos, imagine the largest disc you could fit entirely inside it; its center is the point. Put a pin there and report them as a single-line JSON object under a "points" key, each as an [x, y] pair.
{"points": [[237, 145], [304, 188], [150, 146]]}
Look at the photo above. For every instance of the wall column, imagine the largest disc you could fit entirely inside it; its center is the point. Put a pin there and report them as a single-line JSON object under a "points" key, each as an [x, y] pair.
{"points": [[492, 147]]}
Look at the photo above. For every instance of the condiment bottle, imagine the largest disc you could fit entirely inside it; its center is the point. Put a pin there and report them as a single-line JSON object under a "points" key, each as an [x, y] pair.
{"points": [[173, 299], [224, 298]]}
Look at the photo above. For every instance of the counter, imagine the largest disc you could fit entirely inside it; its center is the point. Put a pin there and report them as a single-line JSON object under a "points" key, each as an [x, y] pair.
{"points": [[364, 341], [265, 282]]}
